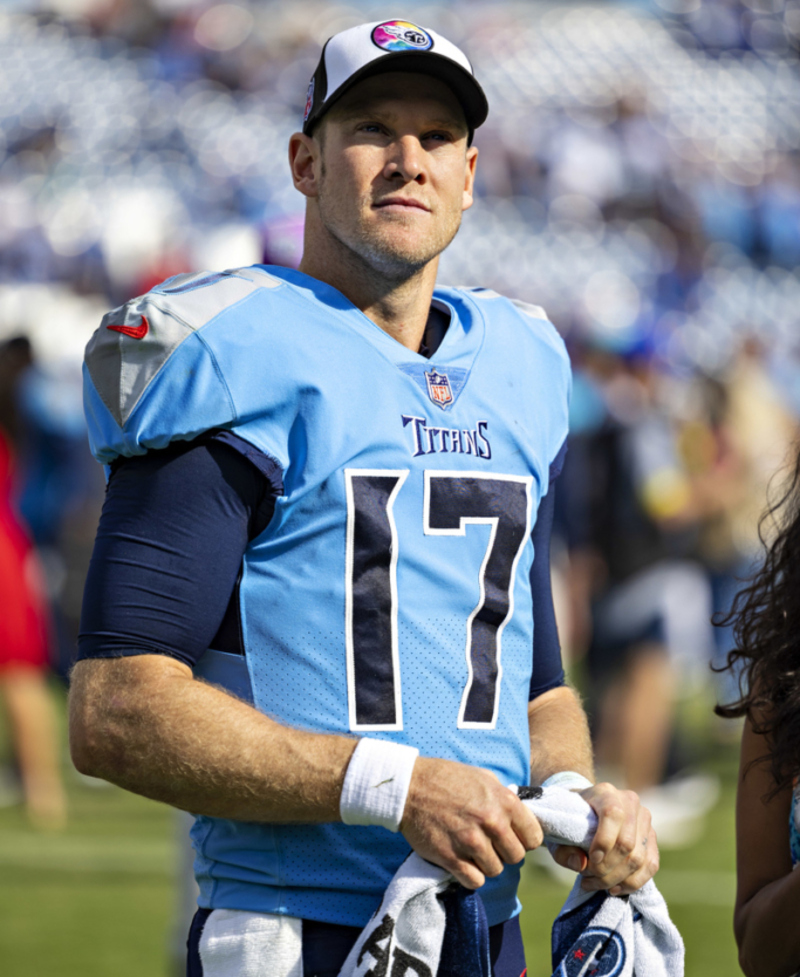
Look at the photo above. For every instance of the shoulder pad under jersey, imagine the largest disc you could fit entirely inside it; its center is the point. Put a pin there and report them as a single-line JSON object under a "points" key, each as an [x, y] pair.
{"points": [[534, 311], [136, 340], [547, 331]]}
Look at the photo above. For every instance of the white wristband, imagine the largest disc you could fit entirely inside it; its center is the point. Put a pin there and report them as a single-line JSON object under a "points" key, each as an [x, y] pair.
{"points": [[376, 783], [568, 779]]}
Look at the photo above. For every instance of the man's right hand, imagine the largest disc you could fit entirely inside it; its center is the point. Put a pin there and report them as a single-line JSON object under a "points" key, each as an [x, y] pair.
{"points": [[464, 820]]}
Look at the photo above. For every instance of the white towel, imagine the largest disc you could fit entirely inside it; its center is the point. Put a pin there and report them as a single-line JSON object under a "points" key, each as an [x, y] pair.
{"points": [[236, 943], [595, 933]]}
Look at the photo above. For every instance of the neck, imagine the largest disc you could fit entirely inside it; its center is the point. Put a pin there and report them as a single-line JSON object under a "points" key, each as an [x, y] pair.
{"points": [[398, 303]]}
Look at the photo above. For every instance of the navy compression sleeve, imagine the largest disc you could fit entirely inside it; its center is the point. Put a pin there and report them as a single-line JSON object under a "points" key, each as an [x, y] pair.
{"points": [[548, 671], [174, 528]]}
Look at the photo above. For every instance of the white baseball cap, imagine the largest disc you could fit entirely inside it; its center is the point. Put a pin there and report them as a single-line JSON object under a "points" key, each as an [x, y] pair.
{"points": [[391, 45]]}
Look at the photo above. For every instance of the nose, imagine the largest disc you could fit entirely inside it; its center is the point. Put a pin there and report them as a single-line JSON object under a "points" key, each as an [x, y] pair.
{"points": [[405, 163]]}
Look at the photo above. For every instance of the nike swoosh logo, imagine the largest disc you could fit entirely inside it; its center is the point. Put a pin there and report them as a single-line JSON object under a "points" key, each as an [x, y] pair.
{"points": [[135, 332]]}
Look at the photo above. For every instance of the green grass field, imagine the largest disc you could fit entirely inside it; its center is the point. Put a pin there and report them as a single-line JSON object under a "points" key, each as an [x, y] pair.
{"points": [[97, 900]]}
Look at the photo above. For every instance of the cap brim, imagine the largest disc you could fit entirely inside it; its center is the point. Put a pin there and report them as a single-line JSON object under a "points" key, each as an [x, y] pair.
{"points": [[463, 85]]}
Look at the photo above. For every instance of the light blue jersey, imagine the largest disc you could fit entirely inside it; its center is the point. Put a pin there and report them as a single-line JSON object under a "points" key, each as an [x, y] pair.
{"points": [[389, 595]]}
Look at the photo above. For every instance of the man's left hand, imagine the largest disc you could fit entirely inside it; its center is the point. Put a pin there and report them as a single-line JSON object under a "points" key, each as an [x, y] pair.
{"points": [[624, 851]]}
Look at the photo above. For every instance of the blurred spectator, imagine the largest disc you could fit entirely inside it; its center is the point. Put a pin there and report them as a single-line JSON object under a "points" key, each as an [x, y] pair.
{"points": [[631, 512], [760, 435], [60, 493], [24, 625]]}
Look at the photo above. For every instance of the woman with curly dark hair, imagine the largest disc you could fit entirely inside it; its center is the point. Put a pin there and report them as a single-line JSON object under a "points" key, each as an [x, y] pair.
{"points": [[766, 618]]}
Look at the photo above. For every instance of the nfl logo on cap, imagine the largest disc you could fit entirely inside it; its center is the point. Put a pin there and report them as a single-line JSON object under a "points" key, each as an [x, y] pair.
{"points": [[309, 99], [439, 389]]}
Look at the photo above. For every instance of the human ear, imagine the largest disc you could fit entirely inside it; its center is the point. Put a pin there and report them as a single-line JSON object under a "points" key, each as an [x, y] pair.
{"points": [[303, 156], [469, 177]]}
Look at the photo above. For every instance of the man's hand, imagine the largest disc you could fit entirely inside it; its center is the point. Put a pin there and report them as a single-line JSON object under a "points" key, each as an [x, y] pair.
{"points": [[624, 852], [464, 820]]}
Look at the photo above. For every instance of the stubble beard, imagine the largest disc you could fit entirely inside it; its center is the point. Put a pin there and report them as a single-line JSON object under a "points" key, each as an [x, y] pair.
{"points": [[391, 257]]}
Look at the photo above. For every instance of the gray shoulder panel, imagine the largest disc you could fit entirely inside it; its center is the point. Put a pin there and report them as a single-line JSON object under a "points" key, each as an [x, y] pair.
{"points": [[135, 341], [543, 327], [534, 311]]}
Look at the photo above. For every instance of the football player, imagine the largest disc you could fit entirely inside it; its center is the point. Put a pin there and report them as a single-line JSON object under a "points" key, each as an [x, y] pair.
{"points": [[309, 618]]}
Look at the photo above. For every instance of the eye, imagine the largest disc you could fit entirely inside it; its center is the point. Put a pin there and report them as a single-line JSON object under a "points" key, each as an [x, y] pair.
{"points": [[371, 127], [438, 136]]}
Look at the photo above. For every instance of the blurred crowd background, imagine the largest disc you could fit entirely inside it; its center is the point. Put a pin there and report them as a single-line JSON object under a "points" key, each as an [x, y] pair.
{"points": [[639, 178]]}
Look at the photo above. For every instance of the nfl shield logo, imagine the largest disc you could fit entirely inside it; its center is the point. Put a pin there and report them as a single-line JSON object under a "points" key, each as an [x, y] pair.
{"points": [[309, 100], [439, 388]]}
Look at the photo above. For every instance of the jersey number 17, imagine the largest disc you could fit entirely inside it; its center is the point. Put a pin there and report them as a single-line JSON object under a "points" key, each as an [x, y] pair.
{"points": [[452, 501]]}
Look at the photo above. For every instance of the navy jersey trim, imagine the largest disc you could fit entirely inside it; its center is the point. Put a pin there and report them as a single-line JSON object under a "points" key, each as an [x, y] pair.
{"points": [[266, 464], [548, 671], [557, 464]]}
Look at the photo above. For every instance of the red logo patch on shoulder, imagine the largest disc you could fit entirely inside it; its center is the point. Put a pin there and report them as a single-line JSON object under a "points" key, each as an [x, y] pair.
{"points": [[135, 332]]}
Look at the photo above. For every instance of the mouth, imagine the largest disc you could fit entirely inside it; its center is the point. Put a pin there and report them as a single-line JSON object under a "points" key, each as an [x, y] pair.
{"points": [[401, 205]]}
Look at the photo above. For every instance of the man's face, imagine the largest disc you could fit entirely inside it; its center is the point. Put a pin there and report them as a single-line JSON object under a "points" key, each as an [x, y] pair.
{"points": [[395, 172]]}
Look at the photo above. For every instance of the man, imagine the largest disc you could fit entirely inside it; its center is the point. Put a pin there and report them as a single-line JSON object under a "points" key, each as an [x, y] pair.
{"points": [[323, 498]]}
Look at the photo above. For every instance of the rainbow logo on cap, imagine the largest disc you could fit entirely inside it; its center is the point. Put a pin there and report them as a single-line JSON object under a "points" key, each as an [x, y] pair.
{"points": [[400, 35]]}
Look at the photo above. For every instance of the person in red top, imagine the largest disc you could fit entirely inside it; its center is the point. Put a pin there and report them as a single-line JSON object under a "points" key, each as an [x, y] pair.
{"points": [[24, 626]]}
